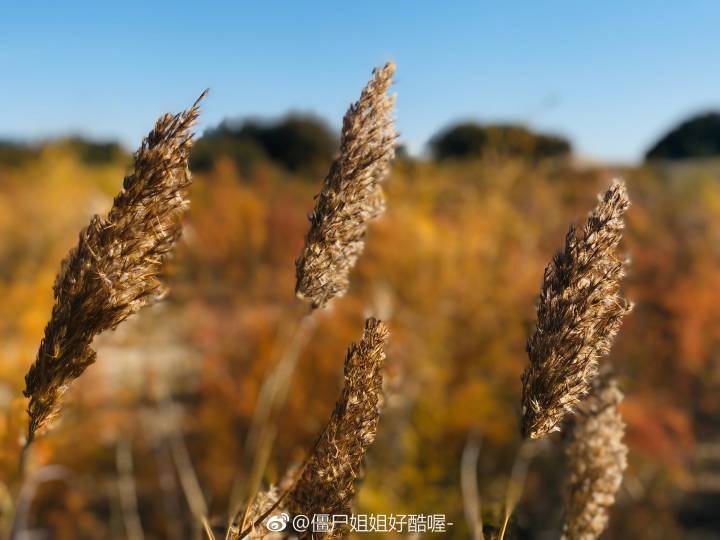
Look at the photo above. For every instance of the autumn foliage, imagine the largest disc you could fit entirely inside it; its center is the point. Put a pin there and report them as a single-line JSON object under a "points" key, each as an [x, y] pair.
{"points": [[454, 268]]}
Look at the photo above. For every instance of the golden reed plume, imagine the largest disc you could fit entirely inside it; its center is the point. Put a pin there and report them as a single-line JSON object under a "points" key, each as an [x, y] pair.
{"points": [[114, 269], [326, 485], [597, 458], [579, 313], [351, 194]]}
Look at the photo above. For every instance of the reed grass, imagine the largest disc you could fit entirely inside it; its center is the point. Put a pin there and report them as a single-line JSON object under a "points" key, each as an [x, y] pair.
{"points": [[472, 502], [115, 268], [263, 503], [597, 459], [351, 194], [579, 313], [327, 482]]}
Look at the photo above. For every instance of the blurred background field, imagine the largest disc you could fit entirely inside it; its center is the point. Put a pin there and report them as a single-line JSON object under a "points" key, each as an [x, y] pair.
{"points": [[455, 267], [512, 119]]}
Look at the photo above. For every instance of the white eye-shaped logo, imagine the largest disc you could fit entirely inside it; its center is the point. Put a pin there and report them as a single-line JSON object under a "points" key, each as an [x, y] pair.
{"points": [[277, 523]]}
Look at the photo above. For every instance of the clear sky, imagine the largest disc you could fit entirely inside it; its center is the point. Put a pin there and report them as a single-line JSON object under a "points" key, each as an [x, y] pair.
{"points": [[610, 75]]}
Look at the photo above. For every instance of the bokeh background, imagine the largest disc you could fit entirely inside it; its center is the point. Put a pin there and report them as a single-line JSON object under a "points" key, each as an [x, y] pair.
{"points": [[512, 119]]}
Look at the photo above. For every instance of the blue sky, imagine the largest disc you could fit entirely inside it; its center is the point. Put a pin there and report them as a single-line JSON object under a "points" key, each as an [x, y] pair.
{"points": [[612, 75]]}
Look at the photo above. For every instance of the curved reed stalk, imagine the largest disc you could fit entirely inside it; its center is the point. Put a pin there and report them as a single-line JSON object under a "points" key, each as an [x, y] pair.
{"points": [[579, 313], [114, 269], [351, 194], [597, 458]]}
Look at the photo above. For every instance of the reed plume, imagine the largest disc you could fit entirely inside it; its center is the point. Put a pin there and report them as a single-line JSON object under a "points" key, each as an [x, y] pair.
{"points": [[597, 458], [114, 269], [351, 194], [326, 485], [579, 312], [263, 503]]}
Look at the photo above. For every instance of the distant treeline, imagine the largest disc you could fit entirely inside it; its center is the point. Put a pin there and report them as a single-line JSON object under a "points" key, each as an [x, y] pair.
{"points": [[305, 144], [300, 143], [15, 153], [470, 140]]}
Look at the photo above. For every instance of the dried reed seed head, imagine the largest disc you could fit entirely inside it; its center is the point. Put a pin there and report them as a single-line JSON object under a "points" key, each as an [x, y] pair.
{"points": [[114, 269], [263, 502], [579, 312], [597, 459], [327, 482], [268, 502], [351, 194]]}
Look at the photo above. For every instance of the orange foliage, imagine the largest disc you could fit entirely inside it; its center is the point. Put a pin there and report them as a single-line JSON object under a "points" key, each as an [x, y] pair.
{"points": [[455, 266]]}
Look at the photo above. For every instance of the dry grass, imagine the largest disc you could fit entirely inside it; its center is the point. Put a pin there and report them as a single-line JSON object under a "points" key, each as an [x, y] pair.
{"points": [[597, 458], [351, 194], [327, 484], [579, 313], [114, 269]]}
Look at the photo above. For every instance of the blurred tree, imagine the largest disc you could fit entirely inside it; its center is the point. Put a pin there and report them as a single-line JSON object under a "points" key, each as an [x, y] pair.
{"points": [[402, 153], [14, 153], [547, 145], [89, 152], [95, 152], [459, 141], [696, 137], [471, 140], [245, 152], [299, 142]]}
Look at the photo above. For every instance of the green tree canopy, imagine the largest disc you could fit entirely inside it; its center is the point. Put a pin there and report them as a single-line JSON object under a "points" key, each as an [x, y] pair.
{"points": [[300, 143], [696, 137], [13, 153], [470, 140], [95, 152]]}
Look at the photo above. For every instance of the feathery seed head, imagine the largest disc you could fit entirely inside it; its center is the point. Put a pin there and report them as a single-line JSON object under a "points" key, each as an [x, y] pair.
{"points": [[327, 482], [579, 313], [114, 269], [263, 502], [597, 459], [351, 194]]}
